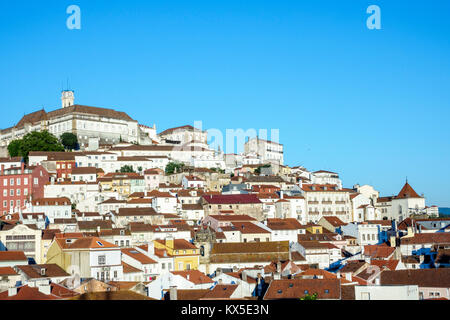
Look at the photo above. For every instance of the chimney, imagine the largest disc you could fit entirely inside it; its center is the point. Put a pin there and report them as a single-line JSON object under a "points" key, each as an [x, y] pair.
{"points": [[244, 276], [276, 276], [98, 229], [173, 293], [188, 276], [3, 169], [12, 291], [281, 194], [348, 276], [151, 248], [279, 267], [170, 242], [45, 289], [22, 167], [43, 271], [392, 241]]}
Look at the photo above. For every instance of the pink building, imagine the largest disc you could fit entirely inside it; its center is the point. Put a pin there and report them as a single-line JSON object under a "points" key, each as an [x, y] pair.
{"points": [[20, 184]]}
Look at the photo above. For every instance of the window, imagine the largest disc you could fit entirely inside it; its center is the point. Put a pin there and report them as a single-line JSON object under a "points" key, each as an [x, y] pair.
{"points": [[25, 192], [18, 181], [18, 192], [25, 181], [102, 260]]}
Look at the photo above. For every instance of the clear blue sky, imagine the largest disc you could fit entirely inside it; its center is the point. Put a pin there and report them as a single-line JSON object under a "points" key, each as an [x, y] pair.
{"points": [[373, 105]]}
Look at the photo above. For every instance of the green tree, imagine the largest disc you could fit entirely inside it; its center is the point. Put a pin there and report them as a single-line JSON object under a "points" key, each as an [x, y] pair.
{"points": [[35, 141], [140, 169], [126, 168], [14, 148], [69, 141], [173, 167], [310, 296]]}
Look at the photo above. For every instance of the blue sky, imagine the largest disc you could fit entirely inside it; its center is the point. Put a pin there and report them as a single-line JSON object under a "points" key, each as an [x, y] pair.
{"points": [[373, 105]]}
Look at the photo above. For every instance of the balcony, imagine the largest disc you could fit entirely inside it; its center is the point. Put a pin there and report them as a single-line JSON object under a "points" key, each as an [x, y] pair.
{"points": [[340, 202], [341, 212], [327, 213], [327, 202], [313, 212], [313, 202]]}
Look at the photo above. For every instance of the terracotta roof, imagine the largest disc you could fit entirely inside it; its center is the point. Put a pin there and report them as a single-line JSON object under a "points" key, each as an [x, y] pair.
{"points": [[194, 276], [284, 224], [246, 227], [298, 288], [84, 170], [426, 238], [378, 251], [179, 244], [407, 192], [139, 256], [33, 271], [51, 201], [190, 294], [319, 273], [136, 212], [112, 295], [232, 217], [221, 291], [335, 221], [250, 247], [86, 243], [431, 278], [7, 271], [194, 206], [88, 225], [129, 269], [389, 264], [13, 256], [61, 291], [231, 199], [27, 293]]}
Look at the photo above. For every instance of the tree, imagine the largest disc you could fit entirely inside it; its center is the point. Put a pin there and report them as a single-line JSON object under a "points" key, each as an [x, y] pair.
{"points": [[35, 141], [173, 167], [69, 141], [126, 168], [139, 169], [14, 148], [310, 296]]}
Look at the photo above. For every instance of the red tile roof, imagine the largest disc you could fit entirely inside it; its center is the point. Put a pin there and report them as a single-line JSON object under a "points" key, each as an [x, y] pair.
{"points": [[407, 192], [139, 256], [13, 256], [194, 276], [231, 199]]}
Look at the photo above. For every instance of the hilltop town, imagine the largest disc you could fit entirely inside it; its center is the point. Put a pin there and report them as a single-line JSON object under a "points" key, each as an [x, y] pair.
{"points": [[137, 214]]}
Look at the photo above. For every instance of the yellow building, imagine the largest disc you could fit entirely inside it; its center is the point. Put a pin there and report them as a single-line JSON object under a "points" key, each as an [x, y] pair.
{"points": [[123, 183], [186, 256], [314, 228]]}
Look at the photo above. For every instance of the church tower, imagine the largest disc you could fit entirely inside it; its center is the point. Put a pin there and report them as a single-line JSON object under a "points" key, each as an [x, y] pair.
{"points": [[67, 98]]}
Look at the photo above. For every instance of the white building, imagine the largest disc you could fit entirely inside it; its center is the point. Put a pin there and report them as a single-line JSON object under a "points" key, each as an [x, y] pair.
{"points": [[267, 151]]}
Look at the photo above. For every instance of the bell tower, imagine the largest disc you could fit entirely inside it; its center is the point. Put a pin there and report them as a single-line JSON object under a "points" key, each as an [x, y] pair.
{"points": [[67, 98]]}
